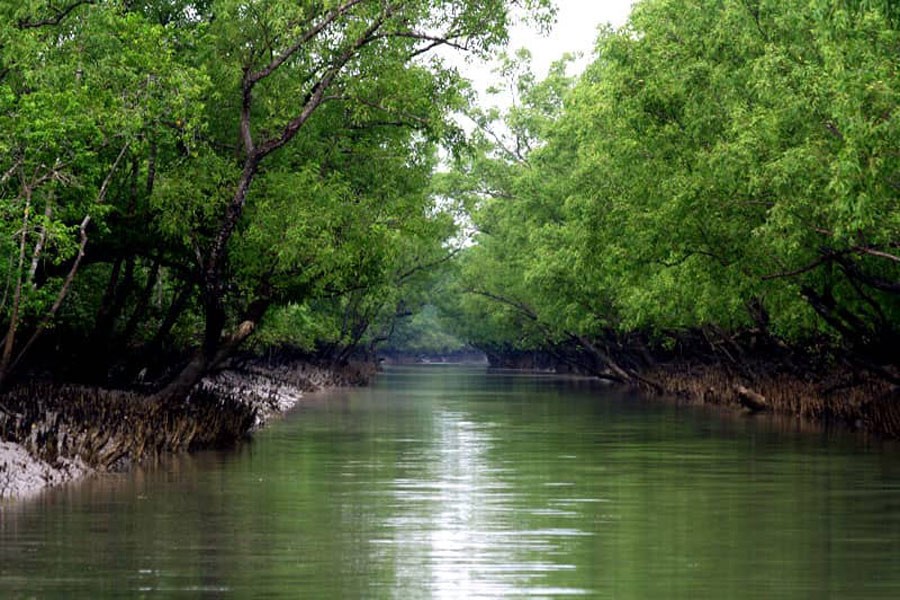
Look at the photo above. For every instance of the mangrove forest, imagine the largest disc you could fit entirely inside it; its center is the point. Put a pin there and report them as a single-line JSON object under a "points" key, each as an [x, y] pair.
{"points": [[709, 210]]}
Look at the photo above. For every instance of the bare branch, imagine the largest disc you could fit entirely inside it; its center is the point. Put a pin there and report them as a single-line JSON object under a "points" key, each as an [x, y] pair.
{"points": [[70, 276], [11, 171], [874, 252], [251, 78], [53, 174], [805, 269], [863, 249], [41, 241], [101, 196], [425, 266], [520, 306], [852, 270], [434, 39], [500, 143], [423, 50], [833, 129], [403, 115]]}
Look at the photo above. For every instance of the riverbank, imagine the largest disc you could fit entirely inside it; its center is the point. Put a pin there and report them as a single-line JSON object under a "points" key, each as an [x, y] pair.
{"points": [[839, 397], [788, 384], [52, 434]]}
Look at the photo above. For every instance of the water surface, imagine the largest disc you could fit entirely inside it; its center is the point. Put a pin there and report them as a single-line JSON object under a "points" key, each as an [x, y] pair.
{"points": [[449, 482]]}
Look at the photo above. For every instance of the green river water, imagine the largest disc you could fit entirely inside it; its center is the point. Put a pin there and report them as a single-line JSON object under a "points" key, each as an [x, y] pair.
{"points": [[452, 482]]}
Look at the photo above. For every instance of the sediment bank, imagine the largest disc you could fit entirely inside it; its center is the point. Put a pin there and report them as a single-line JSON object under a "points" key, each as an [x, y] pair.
{"points": [[839, 397], [798, 386], [51, 434]]}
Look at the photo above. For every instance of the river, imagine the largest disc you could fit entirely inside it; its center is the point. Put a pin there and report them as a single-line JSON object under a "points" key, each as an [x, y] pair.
{"points": [[452, 482]]}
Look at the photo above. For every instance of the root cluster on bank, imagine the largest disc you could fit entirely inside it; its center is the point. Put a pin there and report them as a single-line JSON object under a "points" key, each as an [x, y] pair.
{"points": [[51, 433], [839, 397]]}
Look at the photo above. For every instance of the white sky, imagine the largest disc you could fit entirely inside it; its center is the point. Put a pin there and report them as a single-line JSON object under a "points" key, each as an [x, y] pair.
{"points": [[575, 31]]}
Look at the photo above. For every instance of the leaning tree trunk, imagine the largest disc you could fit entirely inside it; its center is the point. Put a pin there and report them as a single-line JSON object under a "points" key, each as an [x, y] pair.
{"points": [[213, 268], [616, 372], [213, 290], [215, 350]]}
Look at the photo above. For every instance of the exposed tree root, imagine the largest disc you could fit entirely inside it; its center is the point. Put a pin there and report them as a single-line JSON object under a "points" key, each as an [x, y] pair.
{"points": [[105, 430], [839, 396]]}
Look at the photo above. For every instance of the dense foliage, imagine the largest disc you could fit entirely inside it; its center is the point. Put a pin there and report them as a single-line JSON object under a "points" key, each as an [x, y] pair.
{"points": [[183, 178], [723, 171], [174, 173]]}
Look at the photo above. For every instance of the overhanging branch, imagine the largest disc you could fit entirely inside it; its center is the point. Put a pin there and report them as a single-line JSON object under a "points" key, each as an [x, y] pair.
{"points": [[56, 19]]}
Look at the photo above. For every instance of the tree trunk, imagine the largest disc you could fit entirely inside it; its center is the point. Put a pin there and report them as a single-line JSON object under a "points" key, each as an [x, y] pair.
{"points": [[60, 296], [213, 290], [10, 338], [178, 306], [214, 351], [7, 362], [616, 372], [141, 308]]}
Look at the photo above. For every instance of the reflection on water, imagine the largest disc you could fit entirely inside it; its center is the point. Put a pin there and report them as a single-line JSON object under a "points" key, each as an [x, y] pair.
{"points": [[444, 482], [454, 532]]}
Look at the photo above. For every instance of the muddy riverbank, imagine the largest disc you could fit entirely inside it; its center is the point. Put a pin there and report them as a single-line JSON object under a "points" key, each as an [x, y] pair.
{"points": [[51, 434], [793, 384], [840, 397]]}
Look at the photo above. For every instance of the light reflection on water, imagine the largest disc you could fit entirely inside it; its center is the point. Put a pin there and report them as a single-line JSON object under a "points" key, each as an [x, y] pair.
{"points": [[450, 483], [460, 516]]}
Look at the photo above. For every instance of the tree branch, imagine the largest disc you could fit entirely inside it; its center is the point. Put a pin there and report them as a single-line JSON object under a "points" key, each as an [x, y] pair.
{"points": [[67, 284], [55, 19], [423, 267], [814, 264], [251, 78], [317, 95], [434, 39], [520, 306], [402, 115], [874, 252]]}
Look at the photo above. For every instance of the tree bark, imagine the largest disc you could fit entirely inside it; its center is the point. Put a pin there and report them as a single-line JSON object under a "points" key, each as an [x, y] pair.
{"points": [[211, 356], [140, 309]]}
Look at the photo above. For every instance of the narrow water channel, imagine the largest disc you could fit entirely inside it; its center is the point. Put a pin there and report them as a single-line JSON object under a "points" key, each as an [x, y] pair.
{"points": [[451, 482]]}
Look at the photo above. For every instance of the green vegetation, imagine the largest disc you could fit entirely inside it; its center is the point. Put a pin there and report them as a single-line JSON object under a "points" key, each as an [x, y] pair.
{"points": [[180, 179], [174, 173], [723, 177], [425, 335]]}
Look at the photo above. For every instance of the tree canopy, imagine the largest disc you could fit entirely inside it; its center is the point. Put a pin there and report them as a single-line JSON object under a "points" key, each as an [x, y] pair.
{"points": [[183, 178], [726, 168], [173, 171]]}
